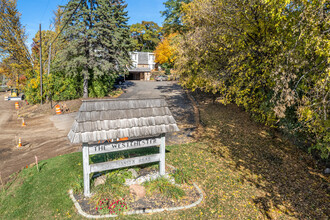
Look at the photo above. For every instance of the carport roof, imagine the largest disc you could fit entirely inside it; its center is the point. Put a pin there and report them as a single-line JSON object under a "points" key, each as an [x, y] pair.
{"points": [[100, 120]]}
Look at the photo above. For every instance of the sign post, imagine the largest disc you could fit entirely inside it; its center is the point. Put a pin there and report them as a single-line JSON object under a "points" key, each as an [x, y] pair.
{"points": [[86, 170], [121, 146], [162, 156]]}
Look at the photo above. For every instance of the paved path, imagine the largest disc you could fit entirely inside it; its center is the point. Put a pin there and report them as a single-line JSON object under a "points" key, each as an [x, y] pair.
{"points": [[64, 122], [179, 104]]}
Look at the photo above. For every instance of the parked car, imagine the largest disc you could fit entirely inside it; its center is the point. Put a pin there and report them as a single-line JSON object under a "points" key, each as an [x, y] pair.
{"points": [[161, 78]]}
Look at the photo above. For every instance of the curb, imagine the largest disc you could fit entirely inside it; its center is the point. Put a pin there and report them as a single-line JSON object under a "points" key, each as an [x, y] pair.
{"points": [[81, 212]]}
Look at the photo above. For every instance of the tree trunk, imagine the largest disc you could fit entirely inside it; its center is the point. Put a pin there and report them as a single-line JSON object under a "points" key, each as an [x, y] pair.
{"points": [[85, 71], [85, 89]]}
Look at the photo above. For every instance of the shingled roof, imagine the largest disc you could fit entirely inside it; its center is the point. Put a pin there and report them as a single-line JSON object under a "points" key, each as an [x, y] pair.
{"points": [[143, 58], [105, 119]]}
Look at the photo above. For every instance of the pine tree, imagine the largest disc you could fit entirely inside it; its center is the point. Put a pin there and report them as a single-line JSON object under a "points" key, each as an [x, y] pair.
{"points": [[98, 40], [173, 16]]}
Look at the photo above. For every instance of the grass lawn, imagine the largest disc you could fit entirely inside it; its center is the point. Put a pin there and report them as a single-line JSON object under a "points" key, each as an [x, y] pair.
{"points": [[42, 195], [245, 170]]}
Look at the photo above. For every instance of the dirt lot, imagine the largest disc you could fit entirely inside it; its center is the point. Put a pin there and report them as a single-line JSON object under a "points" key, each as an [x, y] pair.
{"points": [[39, 137], [45, 133]]}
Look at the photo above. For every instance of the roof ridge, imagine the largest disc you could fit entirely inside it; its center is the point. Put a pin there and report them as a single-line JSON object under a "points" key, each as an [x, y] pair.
{"points": [[121, 99], [117, 109], [123, 118]]}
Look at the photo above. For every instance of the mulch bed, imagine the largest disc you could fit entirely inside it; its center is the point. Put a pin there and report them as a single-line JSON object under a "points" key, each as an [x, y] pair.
{"points": [[154, 201]]}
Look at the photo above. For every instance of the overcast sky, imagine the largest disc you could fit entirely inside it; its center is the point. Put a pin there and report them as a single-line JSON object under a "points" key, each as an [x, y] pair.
{"points": [[35, 12]]}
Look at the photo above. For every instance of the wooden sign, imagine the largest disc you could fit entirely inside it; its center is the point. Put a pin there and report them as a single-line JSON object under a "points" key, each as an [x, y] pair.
{"points": [[120, 146], [124, 163]]}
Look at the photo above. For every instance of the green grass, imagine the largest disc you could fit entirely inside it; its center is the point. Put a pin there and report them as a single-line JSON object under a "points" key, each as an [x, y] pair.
{"points": [[245, 170], [165, 188], [44, 194], [114, 187], [181, 177]]}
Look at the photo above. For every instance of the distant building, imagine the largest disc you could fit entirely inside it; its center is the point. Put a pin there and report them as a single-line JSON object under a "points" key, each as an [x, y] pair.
{"points": [[143, 63]]}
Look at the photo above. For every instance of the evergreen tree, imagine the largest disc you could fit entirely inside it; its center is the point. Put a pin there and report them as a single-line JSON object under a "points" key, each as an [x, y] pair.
{"points": [[98, 40], [173, 16]]}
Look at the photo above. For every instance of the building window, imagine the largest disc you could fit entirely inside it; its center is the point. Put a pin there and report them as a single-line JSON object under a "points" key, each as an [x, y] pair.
{"points": [[151, 57], [134, 56]]}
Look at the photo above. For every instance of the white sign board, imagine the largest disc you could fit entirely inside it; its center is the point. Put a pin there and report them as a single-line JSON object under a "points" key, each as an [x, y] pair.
{"points": [[108, 147], [98, 167], [123, 145]]}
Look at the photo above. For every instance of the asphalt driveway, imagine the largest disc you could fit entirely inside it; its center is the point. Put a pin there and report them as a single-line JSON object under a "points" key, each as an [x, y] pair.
{"points": [[178, 101]]}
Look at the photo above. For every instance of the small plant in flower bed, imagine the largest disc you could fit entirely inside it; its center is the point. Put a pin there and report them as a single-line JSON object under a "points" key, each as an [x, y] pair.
{"points": [[181, 177], [163, 186], [103, 206], [114, 186], [117, 207]]}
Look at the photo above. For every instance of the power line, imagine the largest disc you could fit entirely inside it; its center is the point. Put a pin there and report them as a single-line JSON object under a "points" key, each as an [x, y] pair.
{"points": [[44, 11], [51, 26], [49, 48], [67, 20]]}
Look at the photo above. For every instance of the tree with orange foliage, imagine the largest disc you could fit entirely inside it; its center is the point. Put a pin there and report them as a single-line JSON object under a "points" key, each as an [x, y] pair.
{"points": [[165, 51]]}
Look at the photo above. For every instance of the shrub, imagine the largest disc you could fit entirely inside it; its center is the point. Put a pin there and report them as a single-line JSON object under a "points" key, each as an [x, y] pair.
{"points": [[181, 177], [163, 186]]}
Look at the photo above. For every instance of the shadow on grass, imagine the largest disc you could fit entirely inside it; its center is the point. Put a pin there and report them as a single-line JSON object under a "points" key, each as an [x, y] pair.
{"points": [[42, 165], [287, 177]]}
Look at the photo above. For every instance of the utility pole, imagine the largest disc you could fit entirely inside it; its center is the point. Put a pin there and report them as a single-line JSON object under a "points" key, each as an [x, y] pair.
{"points": [[49, 57], [40, 62]]}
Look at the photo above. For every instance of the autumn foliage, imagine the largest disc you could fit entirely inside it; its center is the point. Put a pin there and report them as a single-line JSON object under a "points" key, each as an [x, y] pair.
{"points": [[270, 57], [165, 51], [14, 56]]}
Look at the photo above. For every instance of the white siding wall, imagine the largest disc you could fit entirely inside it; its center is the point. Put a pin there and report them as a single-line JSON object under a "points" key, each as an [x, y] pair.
{"points": [[134, 57], [151, 60]]}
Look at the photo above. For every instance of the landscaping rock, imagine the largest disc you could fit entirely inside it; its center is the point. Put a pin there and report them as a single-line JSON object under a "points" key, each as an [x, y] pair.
{"points": [[100, 180], [137, 190], [134, 173], [327, 171], [148, 177]]}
